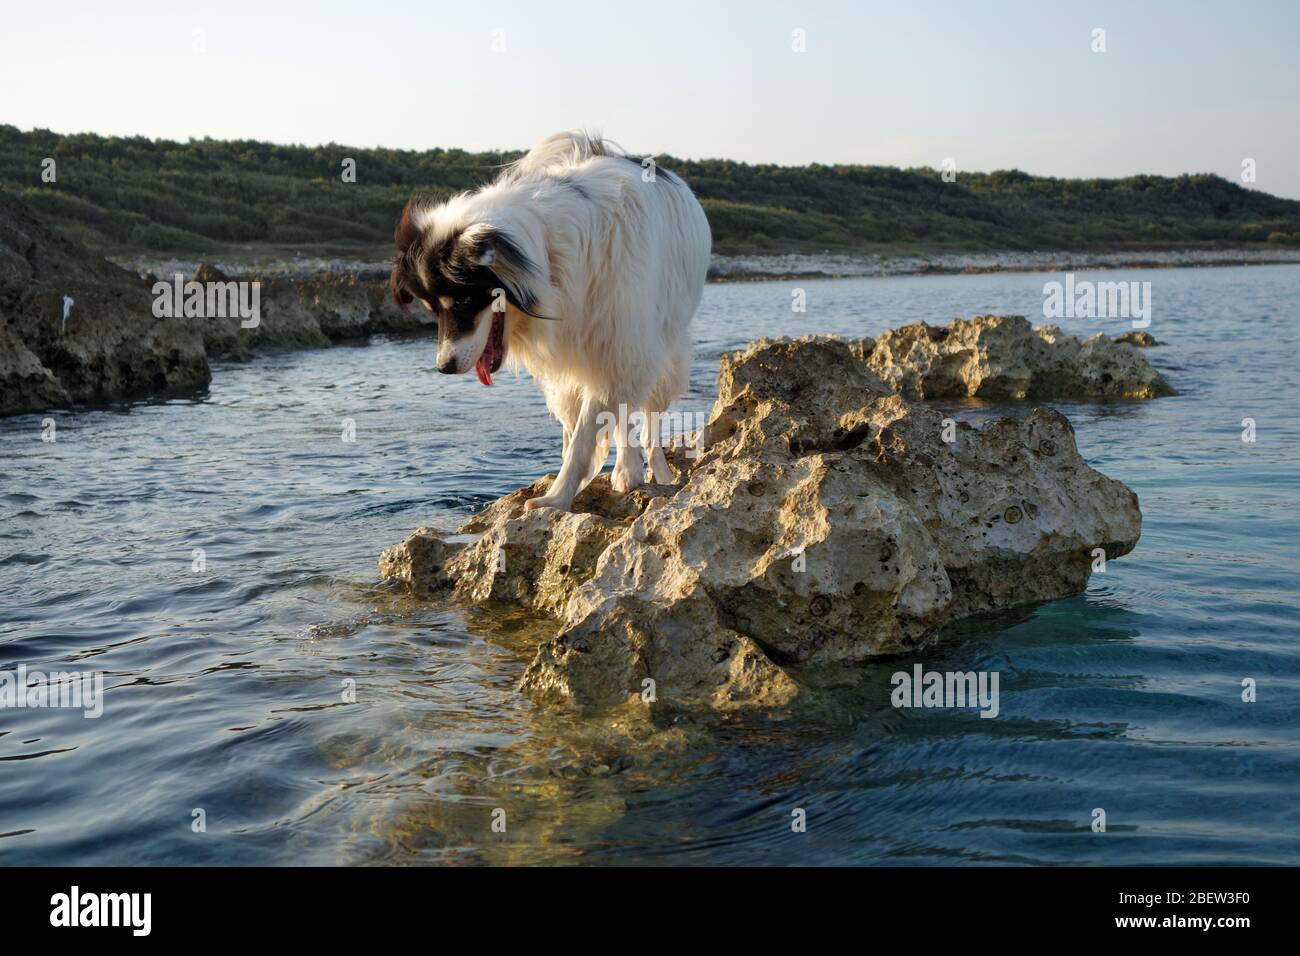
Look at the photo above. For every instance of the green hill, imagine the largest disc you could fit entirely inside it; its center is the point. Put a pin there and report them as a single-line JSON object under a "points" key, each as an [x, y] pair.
{"points": [[138, 193]]}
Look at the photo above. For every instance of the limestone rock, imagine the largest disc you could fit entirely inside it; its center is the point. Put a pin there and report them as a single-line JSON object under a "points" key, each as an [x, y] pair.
{"points": [[536, 558], [420, 562], [825, 520], [1001, 357]]}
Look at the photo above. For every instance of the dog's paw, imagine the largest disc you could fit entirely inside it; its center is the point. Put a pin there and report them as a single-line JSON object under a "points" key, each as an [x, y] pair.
{"points": [[623, 480], [548, 501]]}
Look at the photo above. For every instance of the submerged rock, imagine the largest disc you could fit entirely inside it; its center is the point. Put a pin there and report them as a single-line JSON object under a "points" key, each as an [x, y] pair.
{"points": [[1001, 357], [76, 329], [1138, 338], [825, 520]]}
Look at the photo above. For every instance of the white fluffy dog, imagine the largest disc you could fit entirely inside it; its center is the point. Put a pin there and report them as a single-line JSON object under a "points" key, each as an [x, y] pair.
{"points": [[583, 265]]}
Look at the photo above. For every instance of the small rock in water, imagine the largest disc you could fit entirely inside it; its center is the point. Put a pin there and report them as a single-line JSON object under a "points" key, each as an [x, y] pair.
{"points": [[1143, 340], [1001, 357]]}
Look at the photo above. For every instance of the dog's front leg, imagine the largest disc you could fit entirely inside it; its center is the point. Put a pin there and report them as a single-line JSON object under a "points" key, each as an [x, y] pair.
{"points": [[629, 466], [577, 459]]}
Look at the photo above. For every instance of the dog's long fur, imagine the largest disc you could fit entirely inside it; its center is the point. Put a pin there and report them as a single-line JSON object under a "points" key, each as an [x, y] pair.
{"points": [[599, 269]]}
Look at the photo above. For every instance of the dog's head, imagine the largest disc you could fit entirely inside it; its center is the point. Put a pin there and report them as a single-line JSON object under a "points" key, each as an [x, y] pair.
{"points": [[466, 274]]}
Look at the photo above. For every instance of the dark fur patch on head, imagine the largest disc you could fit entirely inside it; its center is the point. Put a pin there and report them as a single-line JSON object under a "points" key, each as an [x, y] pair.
{"points": [[464, 267], [507, 266], [467, 302]]}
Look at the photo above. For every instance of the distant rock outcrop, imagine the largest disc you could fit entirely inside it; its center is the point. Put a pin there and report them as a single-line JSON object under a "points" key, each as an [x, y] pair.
{"points": [[309, 312], [825, 519], [1000, 357], [103, 345], [77, 330]]}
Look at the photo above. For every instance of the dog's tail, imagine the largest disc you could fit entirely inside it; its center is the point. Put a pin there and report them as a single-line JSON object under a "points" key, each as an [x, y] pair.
{"points": [[569, 148]]}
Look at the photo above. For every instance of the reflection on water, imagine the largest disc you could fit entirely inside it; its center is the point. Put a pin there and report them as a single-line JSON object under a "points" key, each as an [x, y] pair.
{"points": [[315, 716]]}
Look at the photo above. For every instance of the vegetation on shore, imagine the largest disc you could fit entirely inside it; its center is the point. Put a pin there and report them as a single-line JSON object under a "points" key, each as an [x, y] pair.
{"points": [[138, 193]]}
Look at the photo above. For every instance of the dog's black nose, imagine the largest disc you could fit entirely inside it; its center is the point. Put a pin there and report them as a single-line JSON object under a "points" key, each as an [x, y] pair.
{"points": [[448, 367]]}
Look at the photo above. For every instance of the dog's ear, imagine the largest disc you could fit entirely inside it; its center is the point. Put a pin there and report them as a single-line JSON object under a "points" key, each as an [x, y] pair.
{"points": [[407, 239], [397, 283], [407, 232], [520, 275]]}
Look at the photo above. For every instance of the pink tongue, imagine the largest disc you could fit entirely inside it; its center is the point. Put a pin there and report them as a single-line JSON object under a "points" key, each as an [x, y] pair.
{"points": [[483, 369]]}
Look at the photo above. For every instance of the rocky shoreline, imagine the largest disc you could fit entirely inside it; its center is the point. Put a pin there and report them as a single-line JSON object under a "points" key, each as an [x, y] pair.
{"points": [[758, 267], [77, 330], [834, 266], [309, 313], [822, 518]]}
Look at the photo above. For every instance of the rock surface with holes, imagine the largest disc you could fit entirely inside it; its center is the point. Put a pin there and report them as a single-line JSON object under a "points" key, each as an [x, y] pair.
{"points": [[1000, 357], [824, 519]]}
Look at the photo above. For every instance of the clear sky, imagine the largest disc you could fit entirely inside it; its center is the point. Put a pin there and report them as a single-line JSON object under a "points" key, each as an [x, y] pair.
{"points": [[1183, 86]]}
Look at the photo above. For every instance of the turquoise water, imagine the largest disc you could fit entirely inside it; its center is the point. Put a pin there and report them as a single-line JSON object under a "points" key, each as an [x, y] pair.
{"points": [[224, 688]]}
